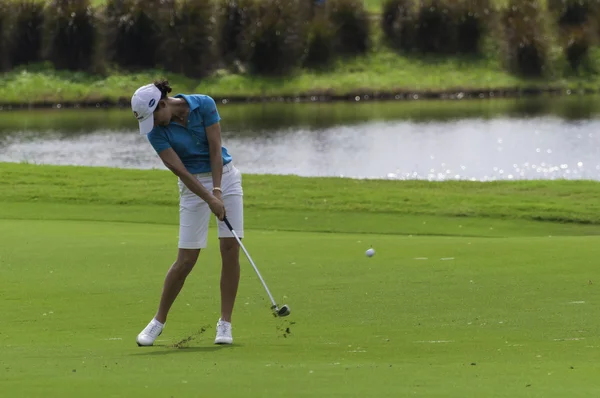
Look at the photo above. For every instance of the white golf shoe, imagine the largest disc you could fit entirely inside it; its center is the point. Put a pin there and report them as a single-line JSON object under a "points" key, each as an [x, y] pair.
{"points": [[150, 333], [223, 333]]}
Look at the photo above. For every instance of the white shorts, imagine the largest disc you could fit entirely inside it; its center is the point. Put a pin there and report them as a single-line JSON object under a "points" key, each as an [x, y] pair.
{"points": [[194, 213]]}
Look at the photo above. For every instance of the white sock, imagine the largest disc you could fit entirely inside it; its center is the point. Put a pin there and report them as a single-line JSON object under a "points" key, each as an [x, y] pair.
{"points": [[155, 321]]}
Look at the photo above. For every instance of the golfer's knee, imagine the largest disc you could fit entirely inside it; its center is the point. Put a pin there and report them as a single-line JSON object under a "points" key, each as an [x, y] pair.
{"points": [[229, 245], [185, 263]]}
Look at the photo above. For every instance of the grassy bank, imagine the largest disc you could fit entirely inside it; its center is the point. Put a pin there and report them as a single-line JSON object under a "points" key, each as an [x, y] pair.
{"points": [[575, 202], [379, 73], [494, 306]]}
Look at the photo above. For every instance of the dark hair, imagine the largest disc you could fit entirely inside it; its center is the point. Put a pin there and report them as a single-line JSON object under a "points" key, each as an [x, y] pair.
{"points": [[163, 86]]}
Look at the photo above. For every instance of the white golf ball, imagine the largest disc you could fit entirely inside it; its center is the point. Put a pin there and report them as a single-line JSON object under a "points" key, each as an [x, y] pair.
{"points": [[370, 253]]}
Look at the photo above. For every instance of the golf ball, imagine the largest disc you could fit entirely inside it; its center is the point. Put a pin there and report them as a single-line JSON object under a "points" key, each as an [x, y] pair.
{"points": [[370, 253]]}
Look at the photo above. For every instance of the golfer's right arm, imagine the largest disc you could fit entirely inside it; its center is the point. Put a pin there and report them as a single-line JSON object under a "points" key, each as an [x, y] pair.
{"points": [[174, 163]]}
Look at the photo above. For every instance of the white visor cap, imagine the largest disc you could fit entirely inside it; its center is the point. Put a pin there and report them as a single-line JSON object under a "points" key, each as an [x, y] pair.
{"points": [[143, 103]]}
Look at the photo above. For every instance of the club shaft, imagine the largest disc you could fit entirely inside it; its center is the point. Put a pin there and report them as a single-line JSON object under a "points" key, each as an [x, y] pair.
{"points": [[251, 262]]}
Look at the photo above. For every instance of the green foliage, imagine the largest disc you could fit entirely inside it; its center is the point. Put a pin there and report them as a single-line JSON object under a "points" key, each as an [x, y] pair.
{"points": [[526, 38], [277, 41], [4, 60], [234, 21], [70, 34], [451, 26], [475, 21], [133, 31], [25, 33], [441, 27], [274, 37], [577, 24], [188, 45], [351, 25], [321, 42], [397, 23]]}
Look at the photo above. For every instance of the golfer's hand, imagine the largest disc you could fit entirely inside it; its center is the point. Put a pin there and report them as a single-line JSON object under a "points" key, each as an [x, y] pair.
{"points": [[217, 207]]}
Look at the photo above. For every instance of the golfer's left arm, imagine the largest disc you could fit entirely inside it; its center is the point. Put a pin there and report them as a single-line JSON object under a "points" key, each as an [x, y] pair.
{"points": [[213, 134], [212, 126]]}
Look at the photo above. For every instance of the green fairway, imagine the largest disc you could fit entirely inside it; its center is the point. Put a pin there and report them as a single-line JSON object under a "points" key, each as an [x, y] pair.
{"points": [[467, 294]]}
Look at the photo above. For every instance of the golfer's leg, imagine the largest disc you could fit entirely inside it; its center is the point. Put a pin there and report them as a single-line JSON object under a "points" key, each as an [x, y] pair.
{"points": [[194, 216], [181, 268], [230, 254], [230, 276]]}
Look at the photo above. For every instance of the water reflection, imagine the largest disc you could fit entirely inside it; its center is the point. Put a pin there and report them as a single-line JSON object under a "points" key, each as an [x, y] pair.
{"points": [[268, 117], [481, 140], [467, 149]]}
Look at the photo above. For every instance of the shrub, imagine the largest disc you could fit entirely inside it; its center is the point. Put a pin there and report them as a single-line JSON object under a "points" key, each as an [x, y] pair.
{"points": [[133, 31], [572, 12], [475, 18], [25, 34], [276, 42], [526, 37], [70, 34], [321, 41], [234, 20], [188, 45], [438, 26], [451, 26], [397, 23], [435, 27], [4, 61], [351, 25], [577, 43], [577, 26]]}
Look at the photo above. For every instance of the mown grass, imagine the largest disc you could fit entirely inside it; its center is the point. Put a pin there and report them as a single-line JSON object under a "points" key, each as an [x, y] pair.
{"points": [[570, 201], [506, 310]]}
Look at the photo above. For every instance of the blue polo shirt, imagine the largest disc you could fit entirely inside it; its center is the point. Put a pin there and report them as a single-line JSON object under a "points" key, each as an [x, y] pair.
{"points": [[190, 143]]}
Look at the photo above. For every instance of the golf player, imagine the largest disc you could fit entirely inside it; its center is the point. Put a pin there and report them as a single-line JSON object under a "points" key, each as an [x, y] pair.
{"points": [[185, 132]]}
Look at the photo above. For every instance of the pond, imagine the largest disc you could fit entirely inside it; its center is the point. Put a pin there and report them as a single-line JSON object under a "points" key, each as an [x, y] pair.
{"points": [[500, 139]]}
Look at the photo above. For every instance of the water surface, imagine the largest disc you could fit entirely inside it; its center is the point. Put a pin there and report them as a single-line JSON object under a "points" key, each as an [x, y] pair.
{"points": [[475, 140]]}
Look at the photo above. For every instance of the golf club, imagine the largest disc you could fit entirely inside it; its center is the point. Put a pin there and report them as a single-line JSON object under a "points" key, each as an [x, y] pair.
{"points": [[284, 310]]}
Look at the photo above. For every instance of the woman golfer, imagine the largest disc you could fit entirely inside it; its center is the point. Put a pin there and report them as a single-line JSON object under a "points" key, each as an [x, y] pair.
{"points": [[185, 132]]}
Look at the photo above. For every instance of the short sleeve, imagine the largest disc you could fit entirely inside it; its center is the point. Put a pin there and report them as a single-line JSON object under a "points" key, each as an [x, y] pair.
{"points": [[209, 111], [158, 140]]}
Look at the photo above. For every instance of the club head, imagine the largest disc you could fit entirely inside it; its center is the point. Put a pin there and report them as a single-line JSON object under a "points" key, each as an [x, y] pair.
{"points": [[283, 311]]}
